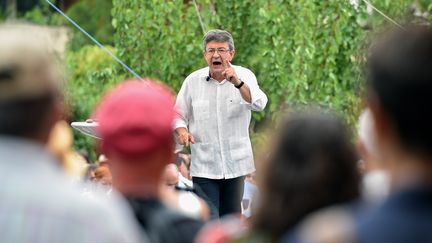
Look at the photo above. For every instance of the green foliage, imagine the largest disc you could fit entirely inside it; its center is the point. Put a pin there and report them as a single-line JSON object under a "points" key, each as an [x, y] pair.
{"points": [[303, 52], [2, 15], [94, 17], [91, 73], [318, 55], [42, 14], [158, 38]]}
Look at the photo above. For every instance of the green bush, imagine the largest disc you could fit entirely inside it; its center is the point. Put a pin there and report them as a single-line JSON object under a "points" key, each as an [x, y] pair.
{"points": [[43, 14], [91, 73], [302, 51], [158, 38], [93, 16]]}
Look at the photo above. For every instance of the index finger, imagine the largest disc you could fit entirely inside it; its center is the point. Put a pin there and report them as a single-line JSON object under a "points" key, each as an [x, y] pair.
{"points": [[225, 62]]}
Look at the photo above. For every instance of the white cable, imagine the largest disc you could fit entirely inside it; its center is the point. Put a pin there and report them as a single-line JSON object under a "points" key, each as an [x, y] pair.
{"points": [[383, 14], [95, 41], [199, 17]]}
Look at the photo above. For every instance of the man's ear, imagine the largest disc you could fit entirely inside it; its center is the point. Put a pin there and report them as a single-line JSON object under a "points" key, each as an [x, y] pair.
{"points": [[55, 115], [379, 119], [232, 54], [385, 132]]}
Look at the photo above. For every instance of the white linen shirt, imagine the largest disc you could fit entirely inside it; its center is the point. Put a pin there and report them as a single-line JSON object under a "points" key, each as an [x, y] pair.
{"points": [[218, 118]]}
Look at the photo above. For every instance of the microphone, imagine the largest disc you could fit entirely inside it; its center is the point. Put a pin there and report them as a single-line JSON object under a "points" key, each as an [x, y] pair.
{"points": [[208, 78]]}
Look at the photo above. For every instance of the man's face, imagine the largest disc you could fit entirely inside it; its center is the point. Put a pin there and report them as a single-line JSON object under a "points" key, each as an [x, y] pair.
{"points": [[215, 53]]}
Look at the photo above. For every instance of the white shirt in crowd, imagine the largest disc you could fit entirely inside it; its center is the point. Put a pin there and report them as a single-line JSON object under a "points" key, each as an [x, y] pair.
{"points": [[39, 204], [250, 194], [218, 118]]}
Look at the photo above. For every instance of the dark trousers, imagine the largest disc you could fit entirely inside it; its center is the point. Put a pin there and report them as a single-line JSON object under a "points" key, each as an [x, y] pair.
{"points": [[223, 195]]}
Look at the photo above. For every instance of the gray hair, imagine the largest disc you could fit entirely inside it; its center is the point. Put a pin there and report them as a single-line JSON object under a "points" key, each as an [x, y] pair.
{"points": [[218, 36]]}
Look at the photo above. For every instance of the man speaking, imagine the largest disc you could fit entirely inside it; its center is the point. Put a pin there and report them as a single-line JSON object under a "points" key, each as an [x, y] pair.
{"points": [[214, 111]]}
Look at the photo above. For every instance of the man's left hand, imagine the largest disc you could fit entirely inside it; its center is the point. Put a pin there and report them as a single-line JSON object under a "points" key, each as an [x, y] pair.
{"points": [[229, 72]]}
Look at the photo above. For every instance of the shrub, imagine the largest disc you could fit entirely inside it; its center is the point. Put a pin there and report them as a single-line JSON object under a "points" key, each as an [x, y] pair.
{"points": [[91, 73], [302, 51], [93, 16]]}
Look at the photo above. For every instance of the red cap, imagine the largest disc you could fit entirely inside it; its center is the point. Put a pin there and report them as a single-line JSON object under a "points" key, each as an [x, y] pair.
{"points": [[135, 118]]}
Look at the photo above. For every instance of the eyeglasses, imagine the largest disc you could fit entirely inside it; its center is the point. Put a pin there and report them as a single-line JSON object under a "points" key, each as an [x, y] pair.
{"points": [[221, 51]]}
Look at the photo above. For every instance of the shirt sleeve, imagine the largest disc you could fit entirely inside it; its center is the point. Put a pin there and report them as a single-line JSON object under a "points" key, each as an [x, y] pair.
{"points": [[183, 107], [258, 97]]}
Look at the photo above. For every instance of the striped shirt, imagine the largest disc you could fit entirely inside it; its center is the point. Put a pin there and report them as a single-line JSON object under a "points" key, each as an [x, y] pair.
{"points": [[218, 118]]}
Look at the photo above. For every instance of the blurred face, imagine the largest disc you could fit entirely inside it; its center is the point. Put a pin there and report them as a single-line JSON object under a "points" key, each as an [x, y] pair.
{"points": [[184, 166], [170, 176], [215, 53], [184, 171], [103, 178], [171, 182]]}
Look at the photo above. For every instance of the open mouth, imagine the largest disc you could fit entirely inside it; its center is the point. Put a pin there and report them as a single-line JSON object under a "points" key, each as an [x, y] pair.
{"points": [[216, 63]]}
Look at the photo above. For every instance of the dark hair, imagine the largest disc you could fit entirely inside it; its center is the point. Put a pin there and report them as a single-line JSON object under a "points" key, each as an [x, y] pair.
{"points": [[312, 165], [400, 79], [178, 160], [25, 117]]}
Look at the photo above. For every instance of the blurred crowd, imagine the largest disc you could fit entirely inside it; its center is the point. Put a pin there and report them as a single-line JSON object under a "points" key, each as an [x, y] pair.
{"points": [[315, 182]]}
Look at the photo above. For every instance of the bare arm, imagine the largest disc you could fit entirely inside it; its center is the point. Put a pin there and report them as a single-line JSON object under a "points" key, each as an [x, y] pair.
{"points": [[231, 76]]}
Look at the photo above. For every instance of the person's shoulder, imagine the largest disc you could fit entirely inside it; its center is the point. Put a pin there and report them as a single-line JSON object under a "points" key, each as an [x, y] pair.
{"points": [[112, 215], [200, 73], [382, 220], [172, 226], [316, 228], [176, 218], [98, 217], [92, 208], [243, 70]]}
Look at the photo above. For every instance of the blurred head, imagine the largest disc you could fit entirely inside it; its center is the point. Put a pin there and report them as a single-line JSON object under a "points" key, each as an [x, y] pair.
{"points": [[61, 139], [135, 123], [170, 176], [312, 165], [135, 120], [30, 83], [90, 172], [103, 178], [399, 90]]}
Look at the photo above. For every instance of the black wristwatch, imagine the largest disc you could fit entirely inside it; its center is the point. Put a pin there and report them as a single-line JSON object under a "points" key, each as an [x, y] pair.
{"points": [[240, 85]]}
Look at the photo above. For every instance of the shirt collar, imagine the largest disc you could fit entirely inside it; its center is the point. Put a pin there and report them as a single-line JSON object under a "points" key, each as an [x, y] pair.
{"points": [[205, 75]]}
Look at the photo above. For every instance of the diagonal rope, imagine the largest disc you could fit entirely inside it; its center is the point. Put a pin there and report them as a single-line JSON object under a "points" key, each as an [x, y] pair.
{"points": [[383, 14], [95, 41], [199, 17]]}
